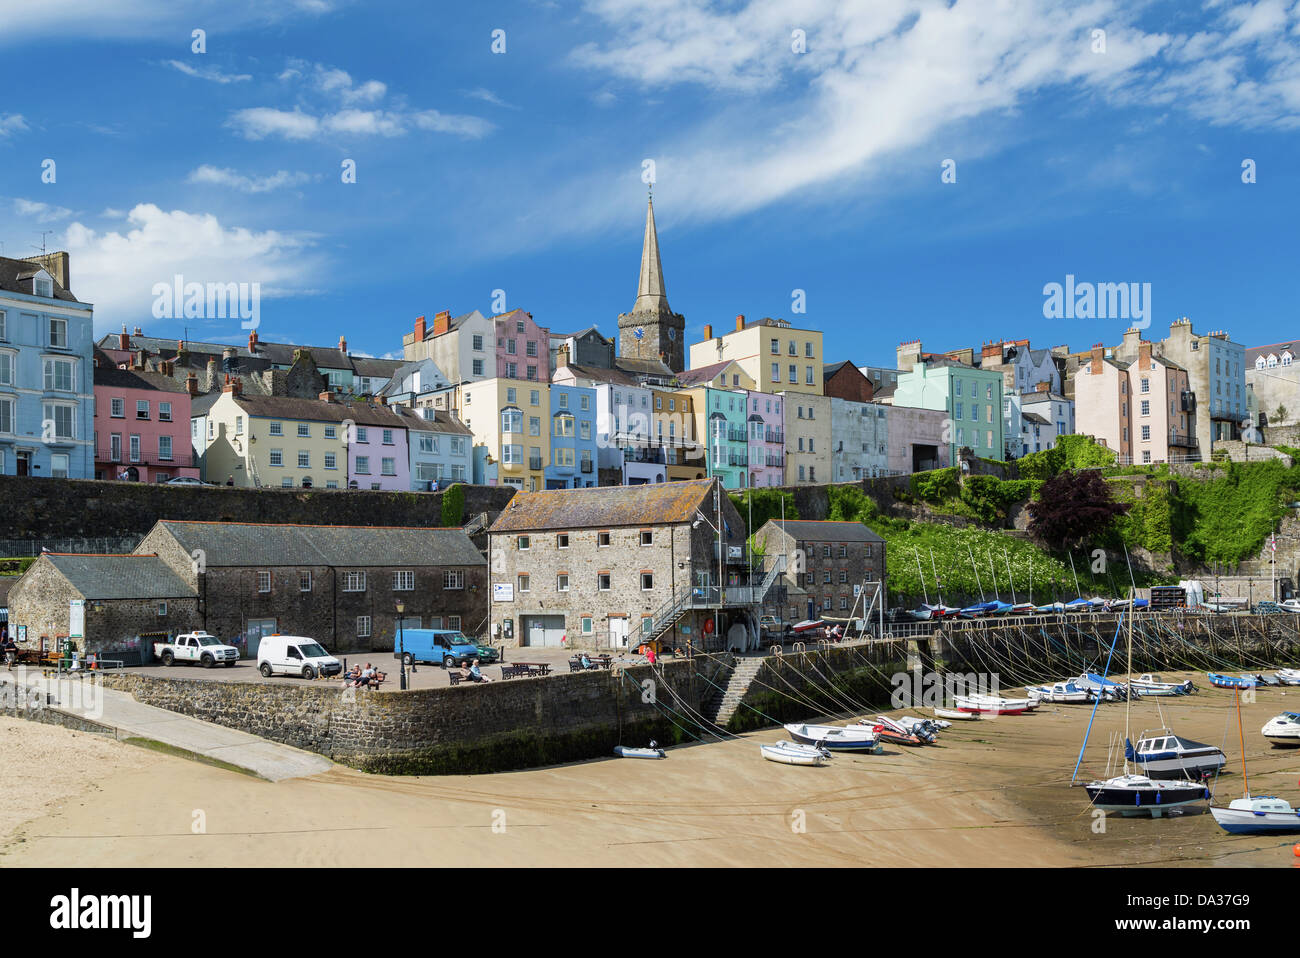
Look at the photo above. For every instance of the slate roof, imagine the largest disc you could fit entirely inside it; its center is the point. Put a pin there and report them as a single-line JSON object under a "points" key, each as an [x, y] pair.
{"points": [[1034, 418], [598, 374], [238, 544], [810, 530], [702, 375], [120, 576], [606, 507], [110, 377], [443, 421], [201, 404], [16, 277], [291, 407], [454, 323], [1277, 349]]}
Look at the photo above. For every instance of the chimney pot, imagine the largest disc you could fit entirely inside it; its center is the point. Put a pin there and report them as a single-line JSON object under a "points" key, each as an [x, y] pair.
{"points": [[343, 346], [192, 385], [708, 332], [420, 329], [326, 396], [123, 340], [740, 322], [138, 331]]}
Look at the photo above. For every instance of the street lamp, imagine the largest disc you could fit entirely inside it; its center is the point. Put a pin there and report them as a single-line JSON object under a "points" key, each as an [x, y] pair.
{"points": [[401, 646]]}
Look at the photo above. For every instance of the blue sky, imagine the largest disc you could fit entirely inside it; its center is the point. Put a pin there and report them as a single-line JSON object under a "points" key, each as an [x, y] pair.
{"points": [[776, 170]]}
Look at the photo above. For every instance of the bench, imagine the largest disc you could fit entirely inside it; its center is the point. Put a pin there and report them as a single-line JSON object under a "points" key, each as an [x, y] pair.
{"points": [[454, 678], [513, 671]]}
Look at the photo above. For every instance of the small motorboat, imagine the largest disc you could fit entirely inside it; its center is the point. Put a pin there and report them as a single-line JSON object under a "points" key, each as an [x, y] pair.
{"points": [[1231, 681], [933, 725], [1022, 608], [1065, 693], [1270, 680], [809, 629], [1283, 729], [837, 738], [942, 611], [995, 704], [896, 734], [793, 753], [1108, 690], [1078, 605], [1141, 795], [627, 751], [957, 715], [1052, 608], [1289, 676], [978, 610], [1000, 608], [1162, 754], [1150, 684], [1257, 814]]}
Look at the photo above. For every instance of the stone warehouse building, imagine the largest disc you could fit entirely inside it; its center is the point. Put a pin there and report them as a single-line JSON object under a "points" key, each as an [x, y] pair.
{"points": [[107, 603], [589, 569], [240, 581], [829, 566]]}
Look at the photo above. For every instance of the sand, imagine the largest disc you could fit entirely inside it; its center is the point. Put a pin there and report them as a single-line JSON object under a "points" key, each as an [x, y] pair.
{"points": [[992, 793]]}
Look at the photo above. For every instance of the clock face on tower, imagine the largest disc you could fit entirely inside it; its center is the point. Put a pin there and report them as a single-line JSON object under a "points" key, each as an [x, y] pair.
{"points": [[639, 333], [672, 334]]}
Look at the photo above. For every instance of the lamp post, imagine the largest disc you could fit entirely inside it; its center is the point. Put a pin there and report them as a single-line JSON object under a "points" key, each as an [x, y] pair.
{"points": [[401, 646]]}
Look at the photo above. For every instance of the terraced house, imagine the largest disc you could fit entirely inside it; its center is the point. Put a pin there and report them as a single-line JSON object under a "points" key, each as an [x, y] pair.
{"points": [[511, 417], [46, 378], [574, 448], [142, 424]]}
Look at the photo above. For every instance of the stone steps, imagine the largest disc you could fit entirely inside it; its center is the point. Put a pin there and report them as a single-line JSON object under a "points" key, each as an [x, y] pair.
{"points": [[725, 701]]}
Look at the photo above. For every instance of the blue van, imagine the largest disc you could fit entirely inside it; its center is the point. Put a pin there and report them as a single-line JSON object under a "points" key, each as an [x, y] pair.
{"points": [[446, 647]]}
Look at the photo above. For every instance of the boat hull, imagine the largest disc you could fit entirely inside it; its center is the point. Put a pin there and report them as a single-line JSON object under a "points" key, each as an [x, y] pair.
{"points": [[1237, 821], [623, 751], [1143, 801], [788, 753], [834, 738]]}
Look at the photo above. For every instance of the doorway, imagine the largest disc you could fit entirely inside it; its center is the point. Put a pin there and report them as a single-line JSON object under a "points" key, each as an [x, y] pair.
{"points": [[618, 631], [24, 464]]}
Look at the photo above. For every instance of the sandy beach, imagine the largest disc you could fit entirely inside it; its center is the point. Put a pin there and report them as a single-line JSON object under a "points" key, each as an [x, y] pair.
{"points": [[991, 793]]}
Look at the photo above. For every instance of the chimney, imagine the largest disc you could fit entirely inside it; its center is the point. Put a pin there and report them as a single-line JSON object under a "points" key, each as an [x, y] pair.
{"points": [[326, 396], [343, 346], [420, 329], [233, 386], [138, 331], [252, 341], [1144, 355], [1043, 387], [123, 340], [139, 359], [56, 264], [562, 356], [167, 368], [991, 351], [1097, 351], [441, 322], [740, 322], [708, 332], [192, 385]]}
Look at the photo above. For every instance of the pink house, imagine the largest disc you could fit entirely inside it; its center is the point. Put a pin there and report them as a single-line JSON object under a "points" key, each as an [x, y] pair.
{"points": [[523, 347], [142, 424], [765, 428]]}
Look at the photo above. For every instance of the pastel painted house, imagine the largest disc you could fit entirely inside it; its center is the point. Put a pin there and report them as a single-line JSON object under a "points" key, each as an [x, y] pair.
{"points": [[46, 377], [142, 425], [765, 424], [574, 449], [523, 349], [441, 447]]}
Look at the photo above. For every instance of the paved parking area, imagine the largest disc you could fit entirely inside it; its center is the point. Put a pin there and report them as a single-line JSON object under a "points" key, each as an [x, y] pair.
{"points": [[421, 677]]}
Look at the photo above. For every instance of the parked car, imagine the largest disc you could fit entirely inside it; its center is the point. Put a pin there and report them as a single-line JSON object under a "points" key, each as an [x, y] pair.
{"points": [[446, 647], [186, 481], [295, 655], [200, 647], [487, 655]]}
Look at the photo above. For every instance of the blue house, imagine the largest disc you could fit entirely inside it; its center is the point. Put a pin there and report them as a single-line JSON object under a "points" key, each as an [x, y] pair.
{"points": [[441, 448], [573, 438], [47, 399]]}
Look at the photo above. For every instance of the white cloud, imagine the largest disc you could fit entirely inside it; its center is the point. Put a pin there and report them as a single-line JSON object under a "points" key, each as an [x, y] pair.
{"points": [[11, 123], [117, 270], [213, 74], [487, 96], [259, 122], [223, 176], [40, 212], [134, 19]]}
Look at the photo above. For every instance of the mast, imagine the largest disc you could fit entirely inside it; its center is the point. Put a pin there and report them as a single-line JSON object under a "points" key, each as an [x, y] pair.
{"points": [[1245, 780], [921, 575], [976, 571], [1128, 688], [938, 587], [1010, 578], [994, 574], [1077, 592]]}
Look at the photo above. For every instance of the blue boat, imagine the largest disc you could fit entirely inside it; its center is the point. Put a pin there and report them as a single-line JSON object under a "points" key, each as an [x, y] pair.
{"points": [[1230, 681], [978, 609]]}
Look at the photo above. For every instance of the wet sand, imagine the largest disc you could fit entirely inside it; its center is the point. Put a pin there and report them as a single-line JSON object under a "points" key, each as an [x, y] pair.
{"points": [[991, 793]]}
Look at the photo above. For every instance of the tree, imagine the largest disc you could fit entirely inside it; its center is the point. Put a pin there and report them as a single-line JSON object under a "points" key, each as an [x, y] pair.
{"points": [[1074, 508]]}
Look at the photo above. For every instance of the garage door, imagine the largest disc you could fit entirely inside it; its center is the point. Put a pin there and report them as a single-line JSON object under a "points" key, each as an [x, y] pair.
{"points": [[543, 630]]}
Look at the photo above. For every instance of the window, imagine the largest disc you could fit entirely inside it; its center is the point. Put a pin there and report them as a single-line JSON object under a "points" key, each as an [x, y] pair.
{"points": [[602, 539], [239, 425], [59, 418], [354, 582], [453, 622], [530, 349], [588, 625], [453, 579], [534, 425], [647, 581], [277, 457], [387, 437], [794, 370], [162, 608], [165, 448], [776, 347], [304, 431], [4, 327], [808, 375], [776, 372], [1146, 385], [363, 435], [117, 408], [511, 348], [304, 581], [511, 394], [512, 420], [264, 582], [331, 460], [331, 432], [59, 465], [277, 429], [647, 537], [478, 343], [404, 580], [164, 412], [59, 333], [363, 627], [808, 350], [363, 465], [562, 582], [388, 466], [1146, 433], [602, 582], [304, 459], [478, 368], [522, 543], [114, 446], [1146, 407], [534, 398], [58, 376]]}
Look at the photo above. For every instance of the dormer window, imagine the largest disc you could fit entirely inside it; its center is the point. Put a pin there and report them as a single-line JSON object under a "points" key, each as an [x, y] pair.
{"points": [[43, 287]]}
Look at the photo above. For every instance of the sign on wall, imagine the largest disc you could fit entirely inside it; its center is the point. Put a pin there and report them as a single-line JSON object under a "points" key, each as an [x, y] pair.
{"points": [[503, 592], [77, 619]]}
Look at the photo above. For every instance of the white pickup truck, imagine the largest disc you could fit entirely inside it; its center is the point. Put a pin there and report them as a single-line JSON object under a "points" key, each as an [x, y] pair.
{"points": [[199, 647]]}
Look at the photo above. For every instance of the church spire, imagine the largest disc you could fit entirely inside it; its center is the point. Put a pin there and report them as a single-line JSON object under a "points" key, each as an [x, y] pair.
{"points": [[650, 294]]}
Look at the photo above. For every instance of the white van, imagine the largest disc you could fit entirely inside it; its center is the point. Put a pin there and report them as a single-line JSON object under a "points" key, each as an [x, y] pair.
{"points": [[295, 655]]}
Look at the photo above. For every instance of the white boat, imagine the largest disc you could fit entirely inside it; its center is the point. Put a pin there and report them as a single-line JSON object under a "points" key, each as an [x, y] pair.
{"points": [[1131, 794], [1162, 754], [1150, 684], [1061, 692], [837, 738], [792, 753], [627, 751], [958, 715], [911, 721], [1283, 729], [995, 704], [1255, 814], [1289, 676]]}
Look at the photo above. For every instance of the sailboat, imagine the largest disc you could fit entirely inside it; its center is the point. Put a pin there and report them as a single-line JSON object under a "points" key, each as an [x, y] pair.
{"points": [[1252, 814], [1133, 794]]}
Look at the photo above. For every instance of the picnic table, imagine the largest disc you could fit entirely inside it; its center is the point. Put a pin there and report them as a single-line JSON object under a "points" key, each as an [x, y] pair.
{"points": [[602, 661], [536, 668]]}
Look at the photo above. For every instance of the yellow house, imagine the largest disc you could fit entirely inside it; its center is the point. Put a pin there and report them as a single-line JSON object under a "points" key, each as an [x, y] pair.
{"points": [[777, 356], [807, 438], [512, 418], [673, 427]]}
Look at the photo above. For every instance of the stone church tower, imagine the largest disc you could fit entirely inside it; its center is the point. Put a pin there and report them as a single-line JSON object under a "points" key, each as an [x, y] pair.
{"points": [[652, 330]]}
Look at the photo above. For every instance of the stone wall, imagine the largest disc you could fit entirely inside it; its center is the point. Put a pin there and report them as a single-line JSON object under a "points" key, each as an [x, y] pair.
{"points": [[519, 723], [76, 508]]}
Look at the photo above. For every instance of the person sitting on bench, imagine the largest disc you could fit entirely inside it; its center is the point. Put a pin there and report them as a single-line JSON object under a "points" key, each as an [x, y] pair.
{"points": [[474, 675], [586, 662]]}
